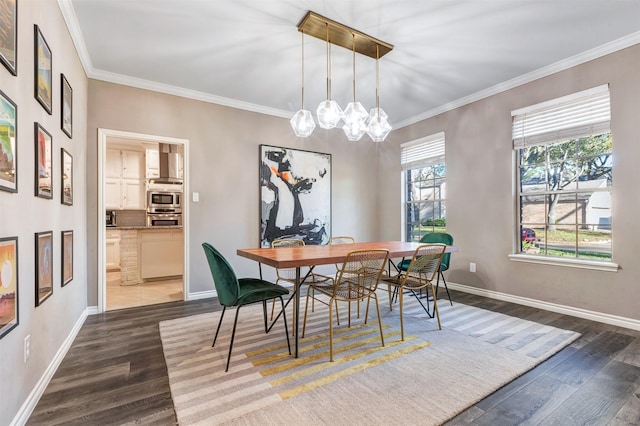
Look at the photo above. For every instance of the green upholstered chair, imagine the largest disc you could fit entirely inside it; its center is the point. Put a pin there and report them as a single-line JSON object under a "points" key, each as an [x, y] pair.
{"points": [[240, 292], [437, 238]]}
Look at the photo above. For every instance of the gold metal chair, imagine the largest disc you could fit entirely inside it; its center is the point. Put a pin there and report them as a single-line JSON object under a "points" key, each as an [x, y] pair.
{"points": [[319, 278], [422, 271], [356, 281]]}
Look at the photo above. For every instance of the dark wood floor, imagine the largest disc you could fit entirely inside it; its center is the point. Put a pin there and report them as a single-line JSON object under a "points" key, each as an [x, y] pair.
{"points": [[115, 374]]}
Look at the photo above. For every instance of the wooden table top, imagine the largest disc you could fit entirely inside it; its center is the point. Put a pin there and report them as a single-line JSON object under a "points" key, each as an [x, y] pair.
{"points": [[291, 257]]}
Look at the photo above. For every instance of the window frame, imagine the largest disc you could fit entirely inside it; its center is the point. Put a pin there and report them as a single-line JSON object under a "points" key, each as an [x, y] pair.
{"points": [[523, 141], [428, 151]]}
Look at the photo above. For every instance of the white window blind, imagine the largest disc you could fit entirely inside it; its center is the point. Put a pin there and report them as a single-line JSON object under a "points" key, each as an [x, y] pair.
{"points": [[577, 115], [423, 152]]}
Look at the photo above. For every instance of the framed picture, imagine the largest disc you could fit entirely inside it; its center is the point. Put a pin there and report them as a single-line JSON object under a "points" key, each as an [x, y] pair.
{"points": [[8, 285], [8, 145], [43, 181], [43, 71], [44, 266], [9, 35], [67, 257], [66, 117], [66, 178], [295, 195]]}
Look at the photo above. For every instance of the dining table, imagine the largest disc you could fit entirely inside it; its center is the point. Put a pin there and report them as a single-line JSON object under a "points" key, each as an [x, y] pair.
{"points": [[313, 255]]}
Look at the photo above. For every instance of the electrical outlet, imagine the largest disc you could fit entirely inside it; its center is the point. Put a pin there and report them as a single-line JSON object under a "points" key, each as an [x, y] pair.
{"points": [[472, 267], [27, 348], [196, 197]]}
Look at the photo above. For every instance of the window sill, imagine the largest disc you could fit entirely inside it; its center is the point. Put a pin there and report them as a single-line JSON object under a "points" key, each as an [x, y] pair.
{"points": [[571, 263]]}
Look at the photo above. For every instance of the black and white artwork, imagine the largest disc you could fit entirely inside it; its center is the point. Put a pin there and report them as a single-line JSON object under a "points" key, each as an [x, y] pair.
{"points": [[295, 195]]}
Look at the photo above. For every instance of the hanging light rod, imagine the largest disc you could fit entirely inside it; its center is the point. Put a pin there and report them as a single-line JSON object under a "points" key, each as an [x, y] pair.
{"points": [[341, 35]]}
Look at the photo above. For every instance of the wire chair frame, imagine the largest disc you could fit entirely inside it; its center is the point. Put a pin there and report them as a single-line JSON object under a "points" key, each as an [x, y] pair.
{"points": [[357, 280], [422, 271]]}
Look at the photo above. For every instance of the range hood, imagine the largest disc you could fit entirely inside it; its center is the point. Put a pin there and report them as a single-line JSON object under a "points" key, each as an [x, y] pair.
{"points": [[170, 160]]}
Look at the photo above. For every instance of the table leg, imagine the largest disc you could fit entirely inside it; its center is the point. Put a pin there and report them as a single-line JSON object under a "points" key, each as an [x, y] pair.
{"points": [[297, 308]]}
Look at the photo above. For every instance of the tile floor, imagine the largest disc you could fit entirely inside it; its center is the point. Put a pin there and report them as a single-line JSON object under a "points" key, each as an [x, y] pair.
{"points": [[147, 293]]}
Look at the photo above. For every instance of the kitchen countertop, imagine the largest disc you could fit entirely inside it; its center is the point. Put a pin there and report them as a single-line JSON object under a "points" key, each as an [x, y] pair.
{"points": [[143, 228]]}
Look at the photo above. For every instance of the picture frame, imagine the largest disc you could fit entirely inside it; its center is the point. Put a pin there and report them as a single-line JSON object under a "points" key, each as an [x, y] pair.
{"points": [[8, 144], [43, 83], [9, 302], [66, 107], [295, 195], [9, 37], [44, 266], [43, 172], [66, 177], [66, 257]]}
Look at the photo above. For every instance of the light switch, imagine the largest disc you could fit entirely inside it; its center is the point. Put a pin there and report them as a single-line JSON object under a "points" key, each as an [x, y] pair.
{"points": [[196, 197]]}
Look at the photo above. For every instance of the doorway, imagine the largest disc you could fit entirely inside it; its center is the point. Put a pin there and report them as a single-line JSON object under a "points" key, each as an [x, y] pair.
{"points": [[135, 267]]}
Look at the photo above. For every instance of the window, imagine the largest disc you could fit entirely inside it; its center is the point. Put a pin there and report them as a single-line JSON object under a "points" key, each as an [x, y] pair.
{"points": [[564, 174], [424, 173]]}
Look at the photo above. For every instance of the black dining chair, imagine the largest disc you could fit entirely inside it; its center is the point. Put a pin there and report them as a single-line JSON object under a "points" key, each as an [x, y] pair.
{"points": [[240, 292]]}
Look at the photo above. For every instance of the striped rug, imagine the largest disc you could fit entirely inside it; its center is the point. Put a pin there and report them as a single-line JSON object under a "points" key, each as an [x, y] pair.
{"points": [[426, 379]]}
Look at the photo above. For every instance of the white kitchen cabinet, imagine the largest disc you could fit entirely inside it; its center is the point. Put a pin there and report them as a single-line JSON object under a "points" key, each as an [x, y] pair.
{"points": [[161, 253], [113, 250], [153, 163], [124, 180]]}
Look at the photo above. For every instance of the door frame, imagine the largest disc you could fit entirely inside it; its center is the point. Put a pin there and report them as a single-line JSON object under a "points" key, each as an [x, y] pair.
{"points": [[103, 135]]}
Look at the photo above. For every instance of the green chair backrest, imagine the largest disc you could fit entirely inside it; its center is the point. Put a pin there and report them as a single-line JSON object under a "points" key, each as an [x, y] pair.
{"points": [[224, 278], [441, 238]]}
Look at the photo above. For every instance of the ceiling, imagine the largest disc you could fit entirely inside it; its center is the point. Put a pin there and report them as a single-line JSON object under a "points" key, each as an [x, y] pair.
{"points": [[247, 53]]}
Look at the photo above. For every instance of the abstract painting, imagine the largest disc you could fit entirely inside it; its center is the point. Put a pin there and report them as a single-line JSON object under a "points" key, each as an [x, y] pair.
{"points": [[44, 266], [9, 35], [43, 181], [8, 147], [295, 195], [43, 71], [67, 257], [8, 284]]}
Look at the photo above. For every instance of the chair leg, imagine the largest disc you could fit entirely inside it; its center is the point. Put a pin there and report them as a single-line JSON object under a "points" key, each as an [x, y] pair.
{"points": [[233, 334], [379, 317], [435, 310], [401, 294], [224, 308], [426, 309], [331, 330], [446, 288], [306, 307], [264, 309]]}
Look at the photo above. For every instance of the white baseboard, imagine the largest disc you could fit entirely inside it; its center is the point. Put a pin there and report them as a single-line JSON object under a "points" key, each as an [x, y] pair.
{"points": [[631, 323], [201, 295], [32, 400]]}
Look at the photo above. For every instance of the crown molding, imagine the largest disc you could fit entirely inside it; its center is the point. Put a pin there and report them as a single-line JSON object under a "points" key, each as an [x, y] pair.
{"points": [[581, 58], [70, 18], [186, 93]]}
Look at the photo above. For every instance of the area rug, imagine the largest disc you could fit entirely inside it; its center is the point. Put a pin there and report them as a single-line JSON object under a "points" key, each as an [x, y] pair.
{"points": [[426, 379]]}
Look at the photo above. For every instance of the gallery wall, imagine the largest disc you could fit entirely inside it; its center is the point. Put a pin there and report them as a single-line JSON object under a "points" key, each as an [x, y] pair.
{"points": [[481, 205], [223, 168], [22, 214]]}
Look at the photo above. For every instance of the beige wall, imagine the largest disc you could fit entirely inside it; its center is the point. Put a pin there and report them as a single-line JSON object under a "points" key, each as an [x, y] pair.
{"points": [[22, 214], [223, 163], [480, 201]]}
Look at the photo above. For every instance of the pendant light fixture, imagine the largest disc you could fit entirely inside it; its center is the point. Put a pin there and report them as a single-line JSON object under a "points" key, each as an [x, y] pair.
{"points": [[355, 116], [302, 121], [378, 127], [329, 112]]}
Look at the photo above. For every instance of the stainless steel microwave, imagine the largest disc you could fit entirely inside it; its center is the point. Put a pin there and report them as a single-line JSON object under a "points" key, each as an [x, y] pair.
{"points": [[164, 199]]}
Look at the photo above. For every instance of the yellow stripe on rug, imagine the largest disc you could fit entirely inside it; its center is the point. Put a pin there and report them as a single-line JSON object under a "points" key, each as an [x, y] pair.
{"points": [[355, 369]]}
